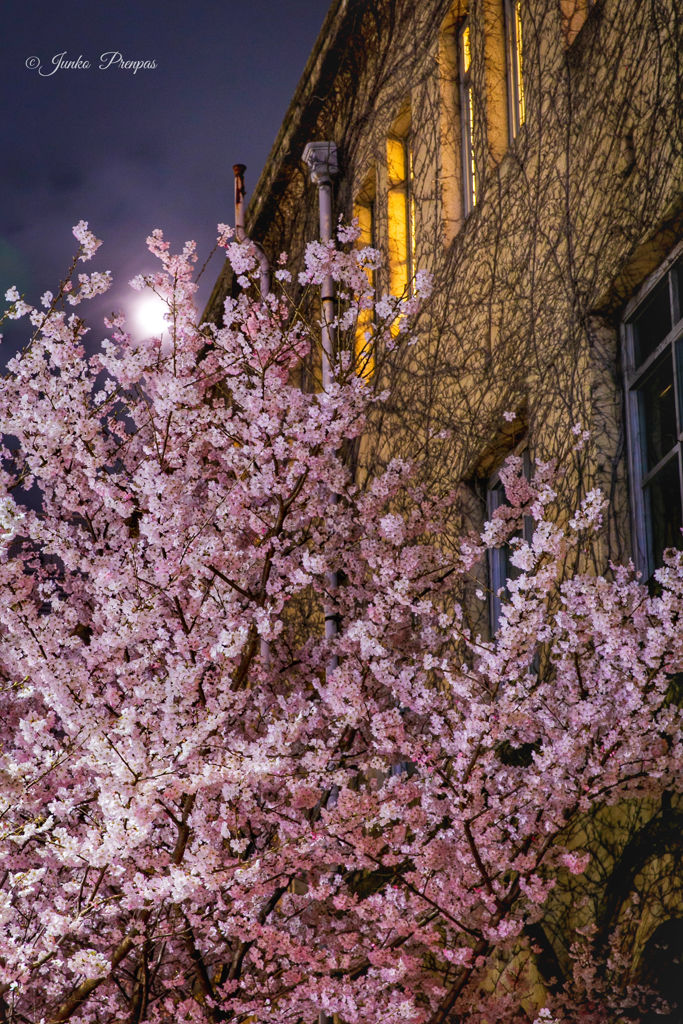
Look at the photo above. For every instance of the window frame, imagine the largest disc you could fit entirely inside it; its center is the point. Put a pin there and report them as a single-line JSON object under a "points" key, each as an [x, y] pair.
{"points": [[411, 227], [514, 59], [634, 376], [468, 156]]}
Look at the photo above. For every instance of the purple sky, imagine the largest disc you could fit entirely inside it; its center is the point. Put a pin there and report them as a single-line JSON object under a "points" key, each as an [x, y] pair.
{"points": [[131, 152]]}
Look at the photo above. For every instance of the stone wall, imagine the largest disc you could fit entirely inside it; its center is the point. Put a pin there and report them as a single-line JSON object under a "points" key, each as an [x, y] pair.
{"points": [[571, 217]]}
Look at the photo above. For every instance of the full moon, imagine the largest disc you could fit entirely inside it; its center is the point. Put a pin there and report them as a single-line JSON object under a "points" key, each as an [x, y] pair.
{"points": [[148, 317]]}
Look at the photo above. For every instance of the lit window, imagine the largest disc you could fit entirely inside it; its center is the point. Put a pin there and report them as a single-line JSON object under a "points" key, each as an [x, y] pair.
{"points": [[515, 66], [469, 165], [654, 335], [401, 214], [364, 210]]}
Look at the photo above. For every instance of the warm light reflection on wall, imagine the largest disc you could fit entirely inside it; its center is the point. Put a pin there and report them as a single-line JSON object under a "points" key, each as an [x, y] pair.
{"points": [[365, 357], [574, 14]]}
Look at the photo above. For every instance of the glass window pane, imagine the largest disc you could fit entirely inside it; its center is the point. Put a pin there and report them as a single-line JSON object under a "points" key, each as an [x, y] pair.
{"points": [[519, 63], [505, 569], [397, 199], [467, 117], [677, 289], [653, 322], [658, 405], [364, 210], [664, 494], [678, 350], [466, 49], [470, 145]]}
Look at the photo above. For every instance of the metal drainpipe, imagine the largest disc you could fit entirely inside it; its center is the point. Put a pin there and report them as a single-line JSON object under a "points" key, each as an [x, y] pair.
{"points": [[321, 158], [264, 284]]}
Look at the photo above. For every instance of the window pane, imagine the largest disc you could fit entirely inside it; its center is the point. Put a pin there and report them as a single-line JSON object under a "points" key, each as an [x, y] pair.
{"points": [[397, 211], [519, 63], [664, 492], [365, 360], [504, 570], [511, 571], [677, 289], [652, 323], [658, 404], [470, 146], [466, 49], [467, 117]]}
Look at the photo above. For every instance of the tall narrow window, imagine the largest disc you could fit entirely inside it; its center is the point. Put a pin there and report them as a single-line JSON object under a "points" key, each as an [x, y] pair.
{"points": [[401, 214], [501, 568], [515, 66], [469, 164], [654, 341], [364, 210]]}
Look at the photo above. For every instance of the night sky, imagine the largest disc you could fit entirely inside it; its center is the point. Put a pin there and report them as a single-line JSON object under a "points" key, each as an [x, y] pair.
{"points": [[129, 152]]}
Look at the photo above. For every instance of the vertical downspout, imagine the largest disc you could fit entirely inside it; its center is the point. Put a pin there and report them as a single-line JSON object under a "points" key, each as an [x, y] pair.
{"points": [[264, 285], [321, 158]]}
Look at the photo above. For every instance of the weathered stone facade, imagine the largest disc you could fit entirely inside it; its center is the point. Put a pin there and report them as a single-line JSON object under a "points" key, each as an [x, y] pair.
{"points": [[575, 197], [571, 216]]}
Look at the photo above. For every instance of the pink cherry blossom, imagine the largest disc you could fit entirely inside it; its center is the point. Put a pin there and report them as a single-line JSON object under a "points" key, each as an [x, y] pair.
{"points": [[201, 818]]}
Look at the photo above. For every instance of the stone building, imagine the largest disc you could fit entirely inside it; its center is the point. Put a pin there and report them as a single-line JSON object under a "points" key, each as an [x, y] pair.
{"points": [[529, 153]]}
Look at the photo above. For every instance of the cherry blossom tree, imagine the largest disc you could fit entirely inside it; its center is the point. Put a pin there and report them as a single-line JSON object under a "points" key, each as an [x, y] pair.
{"points": [[210, 811]]}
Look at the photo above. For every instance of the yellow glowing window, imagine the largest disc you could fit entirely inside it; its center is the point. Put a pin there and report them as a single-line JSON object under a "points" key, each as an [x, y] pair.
{"points": [[400, 215], [365, 357], [469, 163], [515, 48], [466, 48]]}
